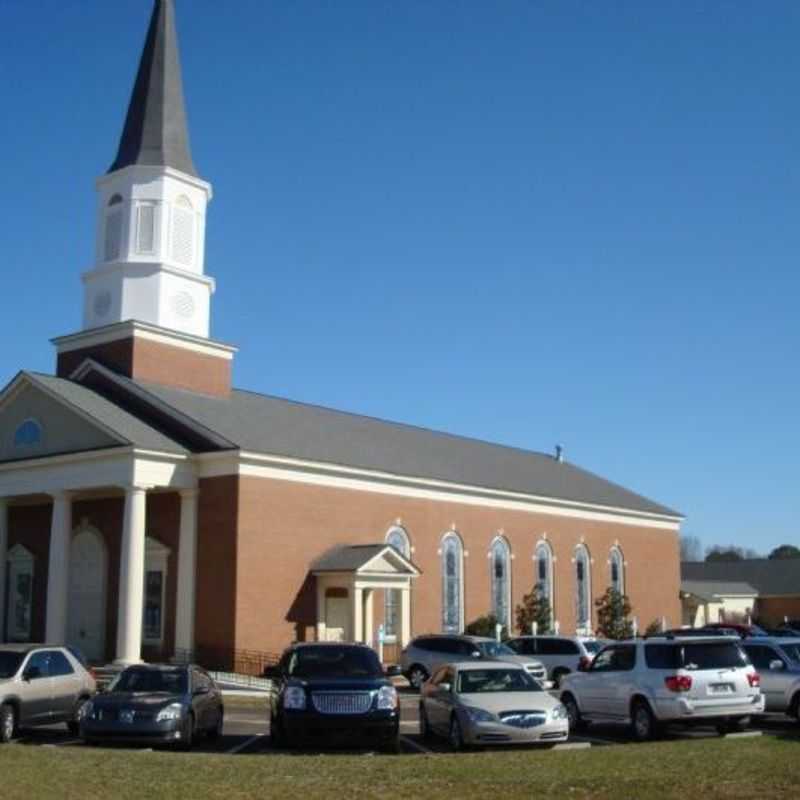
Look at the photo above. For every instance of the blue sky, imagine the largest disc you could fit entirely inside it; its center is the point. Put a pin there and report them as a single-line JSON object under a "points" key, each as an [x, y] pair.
{"points": [[529, 222]]}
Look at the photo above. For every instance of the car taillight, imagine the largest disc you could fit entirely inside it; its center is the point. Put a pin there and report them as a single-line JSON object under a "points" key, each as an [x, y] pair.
{"points": [[93, 673], [754, 679], [678, 683]]}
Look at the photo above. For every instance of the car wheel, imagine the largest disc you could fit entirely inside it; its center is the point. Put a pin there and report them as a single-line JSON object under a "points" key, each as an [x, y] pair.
{"points": [[215, 733], [8, 723], [74, 725], [794, 707], [456, 737], [277, 737], [573, 713], [643, 722], [417, 675], [557, 676], [424, 725]]}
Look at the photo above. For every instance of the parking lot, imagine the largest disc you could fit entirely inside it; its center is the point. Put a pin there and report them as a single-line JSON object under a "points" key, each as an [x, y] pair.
{"points": [[247, 732]]}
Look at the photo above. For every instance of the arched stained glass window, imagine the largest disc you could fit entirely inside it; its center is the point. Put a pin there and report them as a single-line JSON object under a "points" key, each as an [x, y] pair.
{"points": [[452, 583], [617, 567], [500, 559], [544, 572], [397, 538], [583, 590]]}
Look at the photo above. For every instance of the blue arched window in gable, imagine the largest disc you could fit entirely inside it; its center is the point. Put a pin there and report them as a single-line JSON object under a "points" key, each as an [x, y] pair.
{"points": [[28, 434]]}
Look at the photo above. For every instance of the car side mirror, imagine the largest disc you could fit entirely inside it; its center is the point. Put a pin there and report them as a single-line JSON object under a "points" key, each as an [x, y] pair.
{"points": [[776, 664], [393, 671], [475, 654], [273, 673], [445, 687], [31, 674]]}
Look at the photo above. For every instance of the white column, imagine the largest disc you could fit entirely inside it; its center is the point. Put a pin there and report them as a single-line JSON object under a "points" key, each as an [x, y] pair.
{"points": [[322, 621], [3, 562], [58, 569], [358, 614], [131, 578], [405, 615], [369, 633], [187, 575]]}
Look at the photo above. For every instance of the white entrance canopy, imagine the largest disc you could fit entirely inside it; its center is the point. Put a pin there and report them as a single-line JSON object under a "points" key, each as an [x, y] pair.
{"points": [[347, 577]]}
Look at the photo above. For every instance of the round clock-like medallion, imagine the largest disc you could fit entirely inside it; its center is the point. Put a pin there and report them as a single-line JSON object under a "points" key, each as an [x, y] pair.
{"points": [[102, 304], [183, 304]]}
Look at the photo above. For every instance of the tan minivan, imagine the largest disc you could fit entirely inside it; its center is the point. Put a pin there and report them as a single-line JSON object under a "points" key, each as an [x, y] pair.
{"points": [[41, 685]]}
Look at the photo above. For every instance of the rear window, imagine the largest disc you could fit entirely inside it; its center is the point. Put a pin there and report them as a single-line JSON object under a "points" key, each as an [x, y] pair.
{"points": [[695, 656], [792, 650]]}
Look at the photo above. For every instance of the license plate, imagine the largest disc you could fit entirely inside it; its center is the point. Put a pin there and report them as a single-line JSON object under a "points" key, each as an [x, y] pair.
{"points": [[721, 688], [126, 716]]}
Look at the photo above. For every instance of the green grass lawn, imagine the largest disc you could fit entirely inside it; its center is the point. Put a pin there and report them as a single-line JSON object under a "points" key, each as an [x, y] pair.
{"points": [[750, 769]]}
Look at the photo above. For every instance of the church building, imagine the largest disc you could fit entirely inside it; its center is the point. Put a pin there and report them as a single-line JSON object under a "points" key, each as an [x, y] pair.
{"points": [[149, 509]]}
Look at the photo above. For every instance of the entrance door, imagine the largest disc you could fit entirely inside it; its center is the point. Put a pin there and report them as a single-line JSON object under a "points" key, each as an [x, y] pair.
{"points": [[86, 628], [337, 618]]}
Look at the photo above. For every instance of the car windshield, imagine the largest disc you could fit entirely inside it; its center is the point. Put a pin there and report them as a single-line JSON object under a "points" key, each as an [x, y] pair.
{"points": [[594, 646], [170, 681], [9, 664], [334, 662], [484, 681], [495, 649]]}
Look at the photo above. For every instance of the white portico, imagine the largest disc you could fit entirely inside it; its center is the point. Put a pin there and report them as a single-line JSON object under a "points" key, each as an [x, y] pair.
{"points": [[347, 579]]}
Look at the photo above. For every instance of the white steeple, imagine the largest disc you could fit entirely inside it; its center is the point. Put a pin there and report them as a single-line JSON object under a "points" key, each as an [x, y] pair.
{"points": [[152, 206]]}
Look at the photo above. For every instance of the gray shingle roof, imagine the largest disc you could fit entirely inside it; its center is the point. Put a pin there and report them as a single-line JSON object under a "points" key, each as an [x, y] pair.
{"points": [[347, 558], [155, 131], [708, 590], [767, 577], [275, 426], [125, 425]]}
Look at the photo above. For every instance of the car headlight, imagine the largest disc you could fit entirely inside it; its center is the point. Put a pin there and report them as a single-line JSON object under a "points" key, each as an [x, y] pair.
{"points": [[170, 712], [387, 698], [294, 697], [559, 712], [479, 715]]}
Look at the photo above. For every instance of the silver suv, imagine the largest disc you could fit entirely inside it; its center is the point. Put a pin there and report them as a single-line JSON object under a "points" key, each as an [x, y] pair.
{"points": [[41, 685], [425, 654], [778, 663], [648, 682], [559, 654]]}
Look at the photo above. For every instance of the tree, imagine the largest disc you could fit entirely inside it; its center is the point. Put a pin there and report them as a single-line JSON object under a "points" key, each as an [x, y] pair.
{"points": [[785, 551], [613, 612], [691, 548], [730, 552], [485, 626], [653, 629], [535, 607]]}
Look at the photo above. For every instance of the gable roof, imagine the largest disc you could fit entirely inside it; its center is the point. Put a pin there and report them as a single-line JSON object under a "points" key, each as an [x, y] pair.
{"points": [[352, 558], [780, 576], [122, 425], [712, 590], [276, 426]]}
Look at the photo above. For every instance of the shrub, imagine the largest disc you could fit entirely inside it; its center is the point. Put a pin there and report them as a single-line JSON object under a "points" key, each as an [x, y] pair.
{"points": [[613, 612], [485, 626], [535, 607], [653, 629]]}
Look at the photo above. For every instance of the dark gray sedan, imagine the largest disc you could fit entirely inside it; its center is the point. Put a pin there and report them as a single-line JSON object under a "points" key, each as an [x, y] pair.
{"points": [[156, 704]]}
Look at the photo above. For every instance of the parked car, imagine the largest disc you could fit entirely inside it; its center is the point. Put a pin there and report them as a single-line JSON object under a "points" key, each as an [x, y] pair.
{"points": [[425, 654], [702, 633], [41, 685], [336, 693], [778, 663], [559, 654], [482, 702], [156, 704], [649, 682], [745, 631]]}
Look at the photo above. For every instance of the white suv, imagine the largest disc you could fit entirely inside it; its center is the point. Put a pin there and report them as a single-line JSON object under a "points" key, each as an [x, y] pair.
{"points": [[559, 654], [648, 682]]}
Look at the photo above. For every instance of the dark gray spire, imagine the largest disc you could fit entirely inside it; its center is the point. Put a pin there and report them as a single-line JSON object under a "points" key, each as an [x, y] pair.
{"points": [[155, 131]]}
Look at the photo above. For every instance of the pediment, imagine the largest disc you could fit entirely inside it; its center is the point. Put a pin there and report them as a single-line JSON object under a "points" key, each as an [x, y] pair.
{"points": [[34, 423]]}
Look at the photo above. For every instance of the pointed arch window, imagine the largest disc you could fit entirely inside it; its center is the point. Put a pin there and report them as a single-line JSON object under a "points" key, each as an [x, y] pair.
{"points": [[397, 538], [544, 573], [500, 560], [616, 563], [583, 590], [113, 232], [452, 584]]}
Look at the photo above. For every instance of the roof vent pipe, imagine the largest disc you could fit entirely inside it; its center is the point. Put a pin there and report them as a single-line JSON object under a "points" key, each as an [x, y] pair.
{"points": [[559, 453]]}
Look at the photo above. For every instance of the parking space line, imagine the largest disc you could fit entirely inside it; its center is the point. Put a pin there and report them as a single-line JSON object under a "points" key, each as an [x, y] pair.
{"points": [[573, 746], [245, 744], [415, 746], [69, 742], [596, 740], [744, 734]]}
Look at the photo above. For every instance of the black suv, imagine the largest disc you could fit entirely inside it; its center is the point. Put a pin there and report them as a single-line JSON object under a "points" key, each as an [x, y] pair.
{"points": [[337, 693]]}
